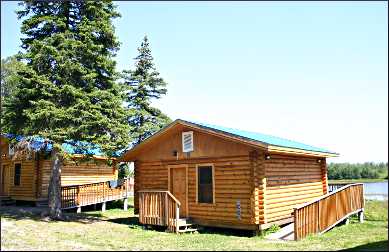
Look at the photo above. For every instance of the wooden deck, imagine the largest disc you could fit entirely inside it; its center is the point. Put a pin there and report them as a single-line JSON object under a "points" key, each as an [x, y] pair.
{"points": [[76, 196], [320, 215]]}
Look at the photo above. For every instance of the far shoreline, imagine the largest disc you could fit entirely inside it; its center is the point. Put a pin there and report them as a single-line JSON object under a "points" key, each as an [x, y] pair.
{"points": [[345, 181]]}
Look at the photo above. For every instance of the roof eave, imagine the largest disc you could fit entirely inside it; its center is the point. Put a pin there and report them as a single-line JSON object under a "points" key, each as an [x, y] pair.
{"points": [[286, 150]]}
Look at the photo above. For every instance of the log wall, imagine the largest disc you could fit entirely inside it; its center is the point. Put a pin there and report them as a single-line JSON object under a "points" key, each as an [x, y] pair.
{"points": [[291, 181], [26, 190], [233, 183]]}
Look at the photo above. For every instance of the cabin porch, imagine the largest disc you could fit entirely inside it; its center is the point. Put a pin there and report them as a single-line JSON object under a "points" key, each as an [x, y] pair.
{"points": [[161, 208]]}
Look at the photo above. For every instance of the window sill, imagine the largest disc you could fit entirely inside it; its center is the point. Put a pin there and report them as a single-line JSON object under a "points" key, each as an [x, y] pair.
{"points": [[205, 204]]}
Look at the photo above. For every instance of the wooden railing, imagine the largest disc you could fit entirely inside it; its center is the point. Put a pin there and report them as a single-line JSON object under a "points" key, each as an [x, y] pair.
{"points": [[320, 215], [333, 187], [159, 208], [87, 194]]}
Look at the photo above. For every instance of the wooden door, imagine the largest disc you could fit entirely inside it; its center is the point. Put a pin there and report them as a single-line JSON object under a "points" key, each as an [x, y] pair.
{"points": [[4, 181], [178, 187]]}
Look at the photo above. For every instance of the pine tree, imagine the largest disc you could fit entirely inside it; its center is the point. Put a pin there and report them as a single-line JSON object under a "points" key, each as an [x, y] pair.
{"points": [[144, 84], [69, 91]]}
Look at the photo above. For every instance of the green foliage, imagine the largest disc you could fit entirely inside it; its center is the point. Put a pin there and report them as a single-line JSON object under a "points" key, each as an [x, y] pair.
{"points": [[9, 75], [125, 171], [272, 229], [69, 92], [142, 85], [366, 170]]}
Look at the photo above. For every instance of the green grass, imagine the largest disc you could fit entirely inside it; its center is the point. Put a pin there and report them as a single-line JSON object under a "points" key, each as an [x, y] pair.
{"points": [[341, 181], [116, 229]]}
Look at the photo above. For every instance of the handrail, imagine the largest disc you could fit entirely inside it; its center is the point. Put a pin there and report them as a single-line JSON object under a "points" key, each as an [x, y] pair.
{"points": [[326, 195], [163, 191], [105, 181]]}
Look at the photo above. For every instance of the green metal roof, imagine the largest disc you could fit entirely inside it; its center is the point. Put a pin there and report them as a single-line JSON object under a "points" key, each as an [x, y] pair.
{"points": [[263, 138]]}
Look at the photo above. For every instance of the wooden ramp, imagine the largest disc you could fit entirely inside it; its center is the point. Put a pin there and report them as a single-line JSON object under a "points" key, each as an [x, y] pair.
{"points": [[322, 214], [286, 233]]}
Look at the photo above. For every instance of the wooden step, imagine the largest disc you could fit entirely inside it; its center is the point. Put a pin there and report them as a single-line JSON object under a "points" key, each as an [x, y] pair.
{"points": [[182, 221], [185, 225], [187, 230]]}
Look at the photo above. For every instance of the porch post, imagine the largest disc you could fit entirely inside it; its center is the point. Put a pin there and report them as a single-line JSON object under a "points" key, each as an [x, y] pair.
{"points": [[177, 217], [360, 216], [125, 204]]}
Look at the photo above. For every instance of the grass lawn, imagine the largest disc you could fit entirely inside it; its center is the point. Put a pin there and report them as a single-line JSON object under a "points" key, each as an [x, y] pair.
{"points": [[116, 229], [341, 181]]}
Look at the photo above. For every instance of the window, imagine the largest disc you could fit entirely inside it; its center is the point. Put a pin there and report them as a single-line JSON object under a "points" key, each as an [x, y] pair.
{"points": [[187, 141], [18, 169], [205, 188]]}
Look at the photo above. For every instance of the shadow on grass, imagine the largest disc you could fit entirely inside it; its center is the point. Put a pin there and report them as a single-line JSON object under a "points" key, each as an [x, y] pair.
{"points": [[374, 246], [35, 213], [225, 231], [27, 210]]}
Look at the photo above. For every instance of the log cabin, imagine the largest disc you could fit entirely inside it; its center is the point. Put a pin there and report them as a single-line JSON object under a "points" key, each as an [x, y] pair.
{"points": [[26, 176], [222, 177]]}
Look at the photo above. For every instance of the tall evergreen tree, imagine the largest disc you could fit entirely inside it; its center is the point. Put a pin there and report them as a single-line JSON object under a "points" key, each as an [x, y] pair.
{"points": [[144, 84], [69, 92]]}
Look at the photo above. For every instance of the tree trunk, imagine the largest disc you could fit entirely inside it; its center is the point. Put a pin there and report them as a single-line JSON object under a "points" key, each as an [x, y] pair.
{"points": [[55, 187]]}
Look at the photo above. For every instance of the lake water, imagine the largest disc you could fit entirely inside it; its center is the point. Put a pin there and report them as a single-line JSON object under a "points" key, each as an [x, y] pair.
{"points": [[376, 190]]}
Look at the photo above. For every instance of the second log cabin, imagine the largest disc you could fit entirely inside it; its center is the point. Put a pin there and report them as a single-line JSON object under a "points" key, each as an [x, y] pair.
{"points": [[26, 176]]}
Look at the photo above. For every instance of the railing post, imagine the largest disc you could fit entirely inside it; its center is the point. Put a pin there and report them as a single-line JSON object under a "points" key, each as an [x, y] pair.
{"points": [[177, 217], [295, 224], [166, 211], [318, 216], [78, 195], [125, 204], [360, 216], [126, 184]]}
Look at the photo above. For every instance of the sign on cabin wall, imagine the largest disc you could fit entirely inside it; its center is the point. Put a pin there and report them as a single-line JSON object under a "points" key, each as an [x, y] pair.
{"points": [[238, 211]]}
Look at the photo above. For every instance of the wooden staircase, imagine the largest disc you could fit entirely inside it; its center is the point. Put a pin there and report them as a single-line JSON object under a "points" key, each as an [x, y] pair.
{"points": [[185, 226], [161, 208], [6, 201]]}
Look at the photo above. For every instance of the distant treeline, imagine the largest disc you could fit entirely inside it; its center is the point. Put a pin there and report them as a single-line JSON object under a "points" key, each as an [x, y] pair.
{"points": [[356, 171]]}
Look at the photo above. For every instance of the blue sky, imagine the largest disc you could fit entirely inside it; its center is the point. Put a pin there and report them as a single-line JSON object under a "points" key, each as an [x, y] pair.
{"points": [[314, 72]]}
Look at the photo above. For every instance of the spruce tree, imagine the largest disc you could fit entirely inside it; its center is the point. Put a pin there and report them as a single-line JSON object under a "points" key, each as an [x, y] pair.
{"points": [[144, 84], [69, 91]]}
